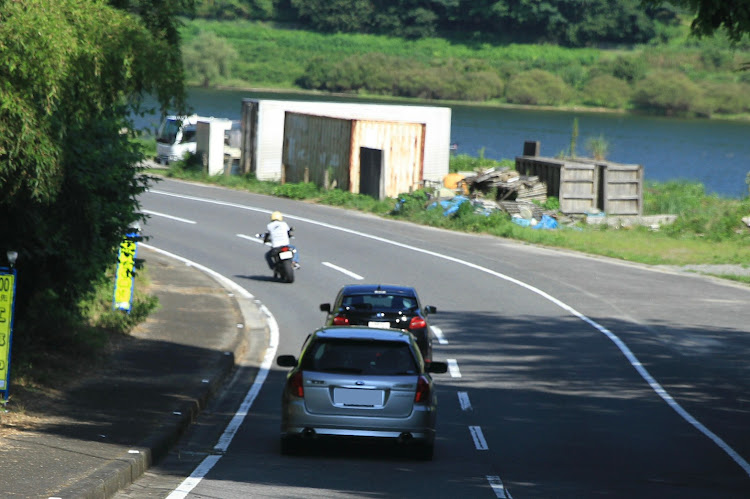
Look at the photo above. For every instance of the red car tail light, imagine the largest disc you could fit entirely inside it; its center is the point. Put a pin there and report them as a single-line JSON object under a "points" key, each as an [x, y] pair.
{"points": [[340, 321], [294, 385], [423, 391], [417, 323]]}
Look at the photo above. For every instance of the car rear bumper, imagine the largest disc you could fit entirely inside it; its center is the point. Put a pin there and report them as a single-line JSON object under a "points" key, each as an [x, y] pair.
{"points": [[418, 426]]}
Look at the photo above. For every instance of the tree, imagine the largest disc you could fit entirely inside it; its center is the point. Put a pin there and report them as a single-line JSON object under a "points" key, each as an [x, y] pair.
{"points": [[71, 74], [210, 57], [713, 15]]}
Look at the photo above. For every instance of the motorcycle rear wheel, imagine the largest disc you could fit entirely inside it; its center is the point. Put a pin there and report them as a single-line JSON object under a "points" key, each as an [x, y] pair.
{"points": [[287, 271]]}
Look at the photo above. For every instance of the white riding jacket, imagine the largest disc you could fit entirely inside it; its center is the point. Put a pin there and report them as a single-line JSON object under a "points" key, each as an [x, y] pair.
{"points": [[278, 233]]}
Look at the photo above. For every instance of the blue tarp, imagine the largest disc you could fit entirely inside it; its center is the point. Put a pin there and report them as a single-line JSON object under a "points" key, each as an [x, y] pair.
{"points": [[547, 222], [450, 206]]}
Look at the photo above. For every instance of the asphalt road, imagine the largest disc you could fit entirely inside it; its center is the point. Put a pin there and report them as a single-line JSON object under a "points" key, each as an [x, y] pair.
{"points": [[572, 376]]}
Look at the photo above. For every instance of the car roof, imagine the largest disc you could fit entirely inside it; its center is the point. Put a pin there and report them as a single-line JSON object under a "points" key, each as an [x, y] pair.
{"points": [[364, 333], [362, 289]]}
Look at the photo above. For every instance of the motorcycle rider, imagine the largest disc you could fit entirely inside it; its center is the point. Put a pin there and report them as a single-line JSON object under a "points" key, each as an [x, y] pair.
{"points": [[278, 233]]}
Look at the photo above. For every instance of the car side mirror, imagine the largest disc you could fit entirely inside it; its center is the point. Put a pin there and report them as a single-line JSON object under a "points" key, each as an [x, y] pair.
{"points": [[286, 360], [325, 307], [429, 309], [436, 367]]}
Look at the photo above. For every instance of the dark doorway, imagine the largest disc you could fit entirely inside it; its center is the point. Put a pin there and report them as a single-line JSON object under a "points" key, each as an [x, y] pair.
{"points": [[371, 172]]}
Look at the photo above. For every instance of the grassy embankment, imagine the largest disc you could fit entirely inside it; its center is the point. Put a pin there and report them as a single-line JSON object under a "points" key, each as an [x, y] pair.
{"points": [[681, 77]]}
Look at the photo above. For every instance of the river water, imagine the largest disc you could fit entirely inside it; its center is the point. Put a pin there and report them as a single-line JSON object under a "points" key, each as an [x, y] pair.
{"points": [[712, 152]]}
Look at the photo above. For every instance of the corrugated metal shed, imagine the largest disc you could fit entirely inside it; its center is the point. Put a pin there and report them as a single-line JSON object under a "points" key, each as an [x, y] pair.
{"points": [[263, 125], [379, 158]]}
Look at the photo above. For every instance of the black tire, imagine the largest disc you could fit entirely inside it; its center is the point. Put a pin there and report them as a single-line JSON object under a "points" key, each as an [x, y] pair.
{"points": [[287, 271]]}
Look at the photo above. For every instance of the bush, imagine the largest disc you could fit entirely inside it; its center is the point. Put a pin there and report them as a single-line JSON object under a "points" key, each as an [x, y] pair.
{"points": [[302, 190], [607, 91], [728, 98], [537, 87], [667, 92]]}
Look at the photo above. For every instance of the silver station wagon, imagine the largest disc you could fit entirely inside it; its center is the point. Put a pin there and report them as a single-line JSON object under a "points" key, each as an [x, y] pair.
{"points": [[360, 382]]}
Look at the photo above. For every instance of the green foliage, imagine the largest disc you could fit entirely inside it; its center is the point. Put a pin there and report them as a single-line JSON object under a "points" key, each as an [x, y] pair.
{"points": [[598, 147], [537, 87], [667, 92], [361, 202], [728, 98], [467, 163], [302, 190], [411, 203], [606, 91], [209, 58], [72, 73]]}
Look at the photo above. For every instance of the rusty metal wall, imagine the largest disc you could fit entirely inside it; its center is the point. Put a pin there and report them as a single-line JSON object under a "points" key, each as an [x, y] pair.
{"points": [[263, 128], [403, 153], [316, 149]]}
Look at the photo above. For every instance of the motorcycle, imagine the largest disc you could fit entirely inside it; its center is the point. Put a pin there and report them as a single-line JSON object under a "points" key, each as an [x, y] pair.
{"points": [[283, 259]]}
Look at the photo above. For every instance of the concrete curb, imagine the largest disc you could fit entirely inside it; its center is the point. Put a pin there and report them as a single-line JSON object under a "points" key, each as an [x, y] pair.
{"points": [[123, 471]]}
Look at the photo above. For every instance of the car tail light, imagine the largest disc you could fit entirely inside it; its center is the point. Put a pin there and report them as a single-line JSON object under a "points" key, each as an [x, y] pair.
{"points": [[340, 321], [294, 385], [417, 323], [423, 390]]}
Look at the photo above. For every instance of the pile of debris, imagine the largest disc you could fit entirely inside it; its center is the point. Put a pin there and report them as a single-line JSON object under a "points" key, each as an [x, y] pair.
{"points": [[509, 184]]}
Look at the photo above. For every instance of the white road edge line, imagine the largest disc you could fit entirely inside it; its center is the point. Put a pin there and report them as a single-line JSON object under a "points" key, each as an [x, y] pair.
{"points": [[343, 271], [463, 400], [226, 438], [164, 215], [498, 488], [453, 368], [476, 434], [439, 335], [655, 386]]}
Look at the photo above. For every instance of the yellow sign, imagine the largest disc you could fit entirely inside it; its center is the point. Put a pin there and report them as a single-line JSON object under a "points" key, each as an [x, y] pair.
{"points": [[7, 288], [124, 277]]}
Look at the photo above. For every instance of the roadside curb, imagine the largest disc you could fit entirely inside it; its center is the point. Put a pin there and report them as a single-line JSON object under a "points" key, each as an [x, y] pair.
{"points": [[124, 470]]}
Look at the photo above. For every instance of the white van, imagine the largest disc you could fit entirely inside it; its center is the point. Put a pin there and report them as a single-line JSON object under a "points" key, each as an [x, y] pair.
{"points": [[177, 136]]}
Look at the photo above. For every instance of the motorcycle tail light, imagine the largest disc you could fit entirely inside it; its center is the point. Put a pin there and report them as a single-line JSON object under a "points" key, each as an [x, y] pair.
{"points": [[417, 323], [340, 321], [423, 391]]}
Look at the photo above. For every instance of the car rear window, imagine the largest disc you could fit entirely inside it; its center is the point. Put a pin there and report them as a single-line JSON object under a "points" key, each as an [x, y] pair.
{"points": [[360, 357], [379, 302]]}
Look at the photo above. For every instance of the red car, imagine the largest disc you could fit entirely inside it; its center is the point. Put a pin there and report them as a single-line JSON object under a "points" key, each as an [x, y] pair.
{"points": [[382, 306]]}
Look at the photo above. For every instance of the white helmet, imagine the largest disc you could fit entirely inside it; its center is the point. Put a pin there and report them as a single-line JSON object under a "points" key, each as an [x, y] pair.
{"points": [[276, 216]]}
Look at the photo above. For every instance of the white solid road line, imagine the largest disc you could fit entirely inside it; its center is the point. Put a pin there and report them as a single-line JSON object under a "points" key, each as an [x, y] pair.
{"points": [[171, 217], [225, 439], [343, 271]]}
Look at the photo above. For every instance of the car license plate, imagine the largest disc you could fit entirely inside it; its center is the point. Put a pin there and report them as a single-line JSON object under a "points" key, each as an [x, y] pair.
{"points": [[285, 255], [382, 325], [357, 397]]}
